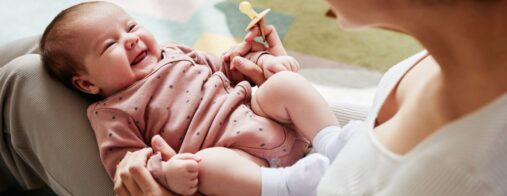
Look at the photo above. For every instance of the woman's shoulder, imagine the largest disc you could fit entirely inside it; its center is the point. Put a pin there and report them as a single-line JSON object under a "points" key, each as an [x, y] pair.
{"points": [[403, 66], [394, 74]]}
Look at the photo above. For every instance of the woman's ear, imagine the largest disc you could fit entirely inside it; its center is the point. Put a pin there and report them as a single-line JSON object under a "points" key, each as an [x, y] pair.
{"points": [[83, 84]]}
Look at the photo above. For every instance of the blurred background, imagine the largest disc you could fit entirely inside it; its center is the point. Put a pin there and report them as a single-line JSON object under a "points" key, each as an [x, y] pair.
{"points": [[344, 66]]}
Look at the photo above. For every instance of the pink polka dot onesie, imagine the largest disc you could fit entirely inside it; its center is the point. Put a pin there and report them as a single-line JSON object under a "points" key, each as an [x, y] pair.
{"points": [[188, 100]]}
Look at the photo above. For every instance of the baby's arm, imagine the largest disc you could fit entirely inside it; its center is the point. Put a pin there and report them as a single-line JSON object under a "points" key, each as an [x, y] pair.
{"points": [[116, 135], [119, 138], [220, 64], [215, 63]]}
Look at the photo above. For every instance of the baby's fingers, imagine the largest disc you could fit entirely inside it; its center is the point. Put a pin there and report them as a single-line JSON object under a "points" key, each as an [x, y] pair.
{"points": [[277, 68], [294, 65], [270, 70]]}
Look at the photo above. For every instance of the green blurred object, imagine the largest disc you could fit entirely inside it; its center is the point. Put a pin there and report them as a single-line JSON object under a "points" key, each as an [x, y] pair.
{"points": [[312, 33]]}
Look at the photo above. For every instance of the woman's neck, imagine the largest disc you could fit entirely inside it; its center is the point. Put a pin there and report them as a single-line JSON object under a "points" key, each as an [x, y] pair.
{"points": [[467, 46], [470, 49]]}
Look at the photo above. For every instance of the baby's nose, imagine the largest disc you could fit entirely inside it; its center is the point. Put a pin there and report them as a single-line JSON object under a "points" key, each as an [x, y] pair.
{"points": [[131, 42]]}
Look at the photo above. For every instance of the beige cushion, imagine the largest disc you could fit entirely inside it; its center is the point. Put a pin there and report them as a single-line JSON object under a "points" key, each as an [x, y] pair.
{"points": [[46, 137]]}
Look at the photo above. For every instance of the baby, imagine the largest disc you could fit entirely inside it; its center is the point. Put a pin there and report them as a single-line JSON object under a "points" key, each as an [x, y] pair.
{"points": [[193, 100]]}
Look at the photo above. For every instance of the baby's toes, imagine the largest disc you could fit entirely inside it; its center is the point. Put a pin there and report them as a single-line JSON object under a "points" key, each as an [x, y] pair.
{"points": [[190, 186], [192, 191], [189, 191], [194, 182], [192, 166]]}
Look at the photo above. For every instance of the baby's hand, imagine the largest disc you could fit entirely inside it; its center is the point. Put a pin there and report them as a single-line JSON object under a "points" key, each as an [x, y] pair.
{"points": [[273, 64], [181, 173]]}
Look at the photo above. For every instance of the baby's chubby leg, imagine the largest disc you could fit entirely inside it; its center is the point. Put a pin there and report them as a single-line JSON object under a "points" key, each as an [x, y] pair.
{"points": [[221, 171], [224, 171], [287, 97]]}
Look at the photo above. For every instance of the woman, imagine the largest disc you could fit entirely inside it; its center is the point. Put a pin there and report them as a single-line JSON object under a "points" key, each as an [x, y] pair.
{"points": [[438, 125]]}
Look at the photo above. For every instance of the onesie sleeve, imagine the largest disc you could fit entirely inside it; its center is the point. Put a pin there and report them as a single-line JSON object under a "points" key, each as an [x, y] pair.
{"points": [[216, 63], [116, 134]]}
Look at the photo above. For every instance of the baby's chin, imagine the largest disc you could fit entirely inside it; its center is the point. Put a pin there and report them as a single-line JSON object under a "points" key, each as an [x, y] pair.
{"points": [[148, 64], [145, 67], [151, 58]]}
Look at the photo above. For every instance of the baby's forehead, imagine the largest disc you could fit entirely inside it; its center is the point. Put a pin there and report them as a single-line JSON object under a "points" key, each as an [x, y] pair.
{"points": [[101, 12], [94, 22]]}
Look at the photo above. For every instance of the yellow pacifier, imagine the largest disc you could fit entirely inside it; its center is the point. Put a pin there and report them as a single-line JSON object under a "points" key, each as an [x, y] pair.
{"points": [[256, 19]]}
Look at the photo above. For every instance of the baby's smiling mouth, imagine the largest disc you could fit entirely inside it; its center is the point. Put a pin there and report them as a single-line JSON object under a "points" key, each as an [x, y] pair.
{"points": [[140, 57]]}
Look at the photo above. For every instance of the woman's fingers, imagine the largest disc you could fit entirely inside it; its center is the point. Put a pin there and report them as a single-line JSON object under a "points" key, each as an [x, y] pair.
{"points": [[256, 46], [275, 44], [147, 183], [160, 145], [239, 50], [136, 159], [189, 156], [251, 35], [118, 188], [249, 69], [144, 180], [249, 44], [129, 184], [242, 49], [124, 183]]}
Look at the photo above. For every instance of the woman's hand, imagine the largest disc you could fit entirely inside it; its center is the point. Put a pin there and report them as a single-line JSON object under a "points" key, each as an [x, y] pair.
{"points": [[275, 46], [133, 178], [248, 68]]}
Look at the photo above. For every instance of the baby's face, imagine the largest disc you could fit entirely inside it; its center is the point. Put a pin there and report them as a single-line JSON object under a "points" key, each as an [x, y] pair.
{"points": [[117, 51]]}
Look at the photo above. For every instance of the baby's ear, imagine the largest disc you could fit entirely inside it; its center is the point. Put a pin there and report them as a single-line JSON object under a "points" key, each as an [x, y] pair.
{"points": [[83, 84]]}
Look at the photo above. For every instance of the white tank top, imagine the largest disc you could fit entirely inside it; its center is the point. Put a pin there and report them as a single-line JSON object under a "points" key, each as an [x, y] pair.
{"points": [[465, 157]]}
